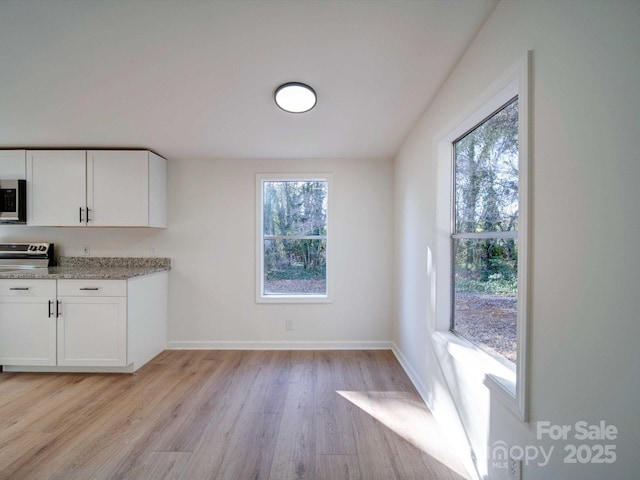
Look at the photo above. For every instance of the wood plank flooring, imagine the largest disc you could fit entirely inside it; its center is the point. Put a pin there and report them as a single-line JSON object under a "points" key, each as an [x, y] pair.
{"points": [[228, 415]]}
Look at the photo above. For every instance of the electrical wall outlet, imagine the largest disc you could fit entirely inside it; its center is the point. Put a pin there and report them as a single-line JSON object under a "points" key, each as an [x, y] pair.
{"points": [[515, 468], [86, 250], [288, 325]]}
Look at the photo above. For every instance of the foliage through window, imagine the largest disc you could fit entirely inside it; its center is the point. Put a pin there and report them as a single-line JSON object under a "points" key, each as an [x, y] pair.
{"points": [[485, 234], [294, 237]]}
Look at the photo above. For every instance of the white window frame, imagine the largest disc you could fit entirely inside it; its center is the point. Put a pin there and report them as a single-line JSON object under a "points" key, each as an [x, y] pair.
{"points": [[509, 385], [261, 178]]}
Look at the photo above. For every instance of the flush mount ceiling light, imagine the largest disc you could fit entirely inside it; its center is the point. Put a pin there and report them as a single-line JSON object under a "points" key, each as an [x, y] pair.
{"points": [[295, 97]]}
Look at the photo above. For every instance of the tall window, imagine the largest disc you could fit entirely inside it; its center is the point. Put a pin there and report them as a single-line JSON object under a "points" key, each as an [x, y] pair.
{"points": [[482, 264], [293, 238], [485, 234]]}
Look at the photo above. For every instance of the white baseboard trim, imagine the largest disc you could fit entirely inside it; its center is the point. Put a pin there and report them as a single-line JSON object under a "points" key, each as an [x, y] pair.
{"points": [[277, 345], [411, 373]]}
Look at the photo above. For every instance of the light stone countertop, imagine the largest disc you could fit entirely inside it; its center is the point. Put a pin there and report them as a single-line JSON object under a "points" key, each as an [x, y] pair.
{"points": [[98, 268]]}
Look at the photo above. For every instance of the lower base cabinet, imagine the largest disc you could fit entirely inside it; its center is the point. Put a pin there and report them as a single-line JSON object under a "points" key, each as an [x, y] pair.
{"points": [[27, 322], [82, 325], [92, 329]]}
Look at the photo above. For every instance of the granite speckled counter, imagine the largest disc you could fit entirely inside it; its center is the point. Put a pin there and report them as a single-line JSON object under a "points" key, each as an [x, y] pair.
{"points": [[99, 268]]}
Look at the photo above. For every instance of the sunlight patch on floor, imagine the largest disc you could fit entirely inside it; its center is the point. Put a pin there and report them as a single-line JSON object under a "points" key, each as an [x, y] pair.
{"points": [[409, 418]]}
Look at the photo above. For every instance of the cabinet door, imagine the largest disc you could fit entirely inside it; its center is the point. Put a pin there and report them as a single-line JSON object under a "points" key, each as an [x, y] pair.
{"points": [[27, 331], [92, 331], [118, 188], [56, 187]]}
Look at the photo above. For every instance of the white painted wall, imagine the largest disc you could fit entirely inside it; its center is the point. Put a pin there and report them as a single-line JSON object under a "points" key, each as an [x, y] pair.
{"points": [[211, 239], [213, 299], [585, 268]]}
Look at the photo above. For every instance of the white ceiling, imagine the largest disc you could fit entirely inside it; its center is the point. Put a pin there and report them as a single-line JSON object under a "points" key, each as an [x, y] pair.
{"points": [[195, 79]]}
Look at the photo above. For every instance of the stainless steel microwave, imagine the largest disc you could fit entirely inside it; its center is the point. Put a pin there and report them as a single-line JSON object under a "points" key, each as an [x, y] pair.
{"points": [[13, 201]]}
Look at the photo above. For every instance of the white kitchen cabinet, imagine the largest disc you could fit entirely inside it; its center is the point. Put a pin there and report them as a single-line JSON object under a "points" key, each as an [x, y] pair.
{"points": [[126, 188], [92, 324], [101, 188], [27, 322], [13, 165], [56, 187]]}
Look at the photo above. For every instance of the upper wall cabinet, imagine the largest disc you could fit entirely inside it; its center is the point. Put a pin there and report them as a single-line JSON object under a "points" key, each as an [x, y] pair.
{"points": [[56, 188], [12, 165], [96, 188], [126, 188]]}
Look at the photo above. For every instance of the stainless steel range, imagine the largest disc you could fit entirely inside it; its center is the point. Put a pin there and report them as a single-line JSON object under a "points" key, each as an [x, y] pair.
{"points": [[16, 256]]}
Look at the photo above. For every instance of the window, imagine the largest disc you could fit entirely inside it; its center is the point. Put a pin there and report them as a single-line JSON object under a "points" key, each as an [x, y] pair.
{"points": [[292, 238], [481, 286], [484, 251]]}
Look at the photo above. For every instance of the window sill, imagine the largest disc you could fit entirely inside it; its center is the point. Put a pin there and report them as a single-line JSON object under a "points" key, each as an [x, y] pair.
{"points": [[294, 299], [499, 378], [504, 390]]}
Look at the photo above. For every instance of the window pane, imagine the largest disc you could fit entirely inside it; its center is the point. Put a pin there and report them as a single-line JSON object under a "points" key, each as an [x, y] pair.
{"points": [[295, 208], [295, 267], [485, 293], [486, 175]]}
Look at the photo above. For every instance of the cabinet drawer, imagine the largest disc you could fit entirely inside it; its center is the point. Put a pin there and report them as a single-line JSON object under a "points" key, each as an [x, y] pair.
{"points": [[30, 288], [92, 288]]}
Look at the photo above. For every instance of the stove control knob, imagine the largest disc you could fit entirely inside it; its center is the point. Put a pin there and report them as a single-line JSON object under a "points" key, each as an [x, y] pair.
{"points": [[41, 248], [33, 248]]}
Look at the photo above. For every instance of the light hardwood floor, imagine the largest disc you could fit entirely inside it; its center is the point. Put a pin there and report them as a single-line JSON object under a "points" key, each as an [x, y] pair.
{"points": [[229, 415]]}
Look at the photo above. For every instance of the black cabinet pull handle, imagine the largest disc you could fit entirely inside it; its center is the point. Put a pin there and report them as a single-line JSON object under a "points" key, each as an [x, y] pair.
{"points": [[88, 210], [58, 303], [20, 288], [90, 288], [80, 214], [50, 305]]}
